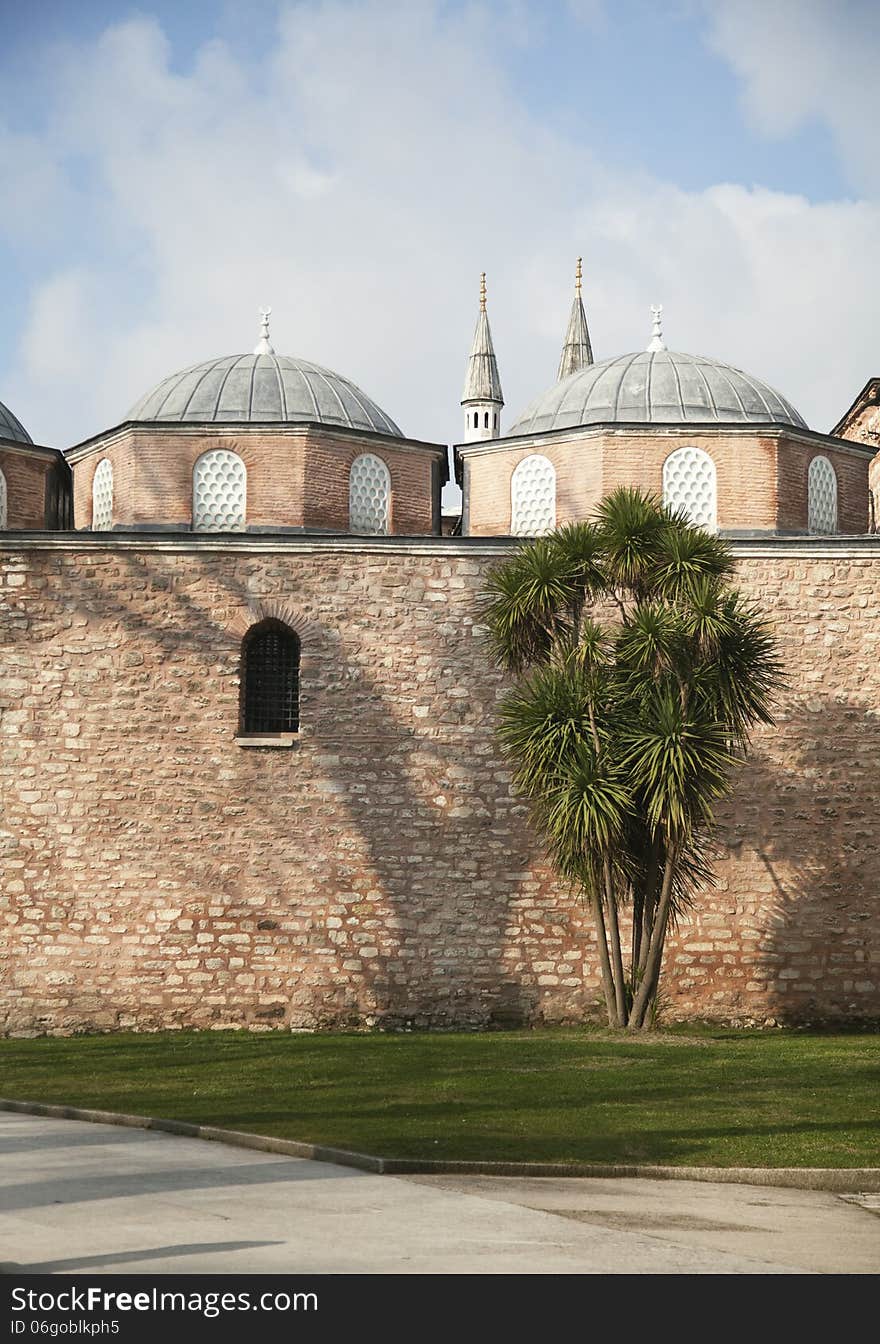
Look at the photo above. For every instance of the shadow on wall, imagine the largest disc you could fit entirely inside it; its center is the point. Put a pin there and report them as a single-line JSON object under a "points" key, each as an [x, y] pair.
{"points": [[381, 871], [805, 863]]}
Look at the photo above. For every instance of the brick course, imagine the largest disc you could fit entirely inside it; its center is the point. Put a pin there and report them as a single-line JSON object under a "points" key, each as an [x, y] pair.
{"points": [[154, 874]]}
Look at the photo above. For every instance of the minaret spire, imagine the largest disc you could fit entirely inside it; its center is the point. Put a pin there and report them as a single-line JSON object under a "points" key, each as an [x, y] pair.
{"points": [[482, 399], [577, 353]]}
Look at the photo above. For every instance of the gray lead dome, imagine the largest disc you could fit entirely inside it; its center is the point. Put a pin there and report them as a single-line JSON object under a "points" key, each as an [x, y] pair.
{"points": [[11, 427], [662, 386], [262, 387]]}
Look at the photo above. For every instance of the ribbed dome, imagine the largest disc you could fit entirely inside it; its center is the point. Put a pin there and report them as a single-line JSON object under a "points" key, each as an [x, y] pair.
{"points": [[11, 427], [242, 388], [658, 386]]}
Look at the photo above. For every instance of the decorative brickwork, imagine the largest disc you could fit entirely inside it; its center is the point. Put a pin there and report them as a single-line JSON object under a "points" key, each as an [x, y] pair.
{"points": [[155, 874]]}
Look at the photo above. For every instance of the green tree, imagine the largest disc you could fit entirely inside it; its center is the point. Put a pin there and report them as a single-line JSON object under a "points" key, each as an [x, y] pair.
{"points": [[639, 672]]}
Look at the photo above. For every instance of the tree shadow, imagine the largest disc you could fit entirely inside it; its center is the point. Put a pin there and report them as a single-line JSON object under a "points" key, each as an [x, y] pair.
{"points": [[798, 875], [381, 872]]}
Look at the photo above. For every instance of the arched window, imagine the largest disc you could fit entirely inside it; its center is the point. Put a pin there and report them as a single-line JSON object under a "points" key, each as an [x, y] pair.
{"points": [[102, 497], [690, 487], [4, 510], [270, 679], [219, 492], [369, 496], [533, 497], [486, 420], [822, 496]]}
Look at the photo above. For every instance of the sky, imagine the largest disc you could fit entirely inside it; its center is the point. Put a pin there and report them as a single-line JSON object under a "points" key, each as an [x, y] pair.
{"points": [[168, 168]]}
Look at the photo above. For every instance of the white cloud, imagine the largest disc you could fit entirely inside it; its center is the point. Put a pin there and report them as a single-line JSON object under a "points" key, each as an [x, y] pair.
{"points": [[359, 181], [808, 60]]}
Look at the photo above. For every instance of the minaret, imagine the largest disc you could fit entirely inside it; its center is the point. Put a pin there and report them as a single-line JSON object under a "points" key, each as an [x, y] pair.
{"points": [[482, 399], [577, 353]]}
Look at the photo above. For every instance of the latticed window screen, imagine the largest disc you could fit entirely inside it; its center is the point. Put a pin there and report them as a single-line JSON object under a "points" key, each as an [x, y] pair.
{"points": [[369, 495], [4, 513], [219, 492], [270, 679], [822, 496], [689, 486], [102, 497], [533, 497]]}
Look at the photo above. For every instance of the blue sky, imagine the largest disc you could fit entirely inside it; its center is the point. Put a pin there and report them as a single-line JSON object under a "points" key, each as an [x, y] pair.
{"points": [[170, 167]]}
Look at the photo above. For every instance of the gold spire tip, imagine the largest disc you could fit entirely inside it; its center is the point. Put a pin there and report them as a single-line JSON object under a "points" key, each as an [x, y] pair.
{"points": [[482, 291], [578, 275]]}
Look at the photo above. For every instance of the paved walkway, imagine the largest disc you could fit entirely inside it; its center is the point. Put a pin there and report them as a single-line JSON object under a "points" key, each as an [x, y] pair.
{"points": [[80, 1197]]}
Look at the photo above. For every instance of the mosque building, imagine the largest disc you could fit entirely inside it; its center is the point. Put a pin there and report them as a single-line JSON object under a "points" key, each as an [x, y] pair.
{"points": [[247, 742]]}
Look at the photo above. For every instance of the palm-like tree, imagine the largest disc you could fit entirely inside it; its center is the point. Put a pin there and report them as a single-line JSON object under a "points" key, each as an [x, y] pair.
{"points": [[640, 673]]}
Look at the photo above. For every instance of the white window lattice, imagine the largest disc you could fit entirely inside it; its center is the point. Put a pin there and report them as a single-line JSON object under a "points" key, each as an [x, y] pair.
{"points": [[689, 486], [822, 496], [3, 498], [533, 497], [219, 492], [102, 497], [369, 495]]}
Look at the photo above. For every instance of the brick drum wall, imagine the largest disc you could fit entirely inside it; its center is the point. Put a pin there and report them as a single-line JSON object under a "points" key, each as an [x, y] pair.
{"points": [[381, 871], [296, 476], [761, 478]]}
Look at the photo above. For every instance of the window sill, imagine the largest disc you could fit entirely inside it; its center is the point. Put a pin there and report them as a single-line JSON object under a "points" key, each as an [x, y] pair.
{"points": [[266, 739]]}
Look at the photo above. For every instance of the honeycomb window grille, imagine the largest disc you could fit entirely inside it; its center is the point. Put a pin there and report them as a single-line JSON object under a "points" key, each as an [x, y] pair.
{"points": [[4, 507], [533, 497], [102, 497], [219, 492], [690, 487], [822, 496], [270, 655], [369, 496]]}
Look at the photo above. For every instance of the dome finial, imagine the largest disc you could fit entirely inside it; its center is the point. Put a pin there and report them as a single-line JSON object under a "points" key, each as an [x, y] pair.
{"points": [[657, 329], [577, 276], [262, 346], [482, 291]]}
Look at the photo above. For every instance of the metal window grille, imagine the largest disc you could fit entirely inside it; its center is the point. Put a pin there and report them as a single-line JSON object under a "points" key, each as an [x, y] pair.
{"points": [[689, 487], [270, 680], [533, 497]]}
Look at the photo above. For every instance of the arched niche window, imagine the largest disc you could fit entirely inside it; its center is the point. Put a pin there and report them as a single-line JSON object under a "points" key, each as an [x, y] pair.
{"points": [[822, 496], [269, 700], [690, 487], [102, 497], [533, 497], [219, 500], [369, 496], [4, 505]]}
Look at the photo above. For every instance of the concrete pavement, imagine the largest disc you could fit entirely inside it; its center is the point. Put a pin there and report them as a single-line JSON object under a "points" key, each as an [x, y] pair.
{"points": [[78, 1197]]}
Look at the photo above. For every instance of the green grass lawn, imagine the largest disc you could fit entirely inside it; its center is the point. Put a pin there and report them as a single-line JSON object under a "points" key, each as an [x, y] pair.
{"points": [[707, 1096]]}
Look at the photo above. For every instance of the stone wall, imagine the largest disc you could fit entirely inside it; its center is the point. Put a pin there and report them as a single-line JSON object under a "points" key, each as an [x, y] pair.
{"points": [[155, 874]]}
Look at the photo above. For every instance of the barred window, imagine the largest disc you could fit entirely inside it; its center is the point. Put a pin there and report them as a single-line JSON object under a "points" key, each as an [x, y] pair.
{"points": [[3, 504], [369, 496], [102, 497], [822, 496], [270, 679], [533, 497], [689, 487], [219, 492]]}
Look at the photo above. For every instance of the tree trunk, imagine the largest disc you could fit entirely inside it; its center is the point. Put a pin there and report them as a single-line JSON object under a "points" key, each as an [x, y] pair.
{"points": [[616, 953], [604, 962], [647, 989]]}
